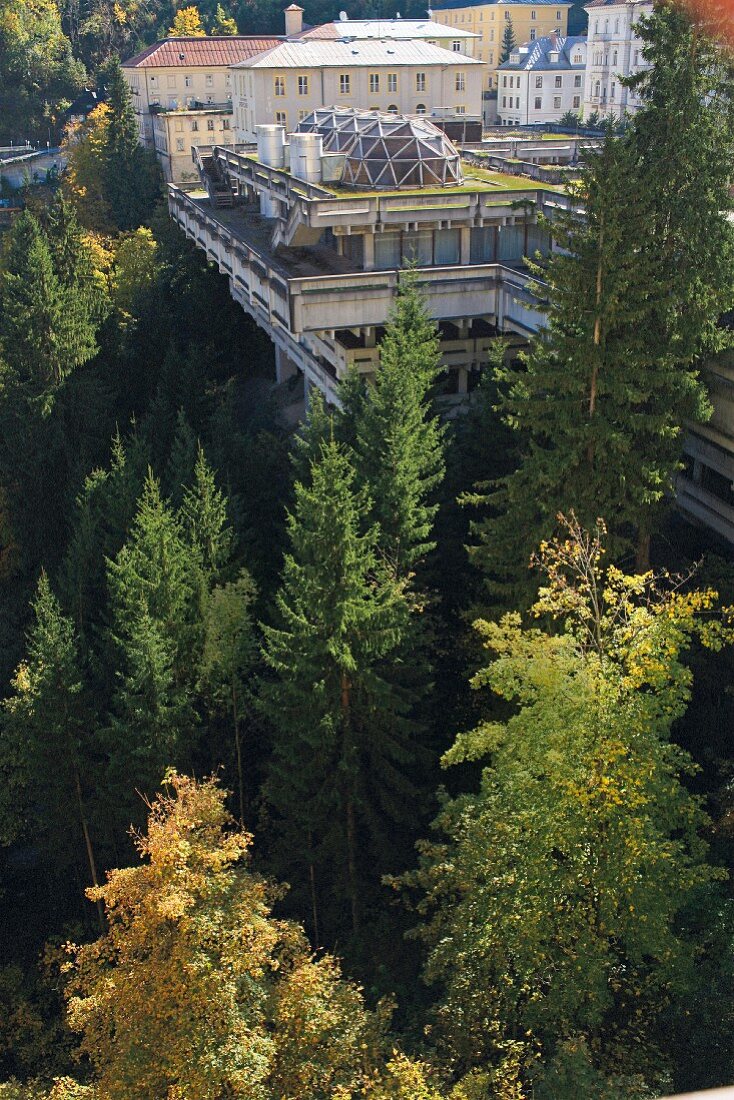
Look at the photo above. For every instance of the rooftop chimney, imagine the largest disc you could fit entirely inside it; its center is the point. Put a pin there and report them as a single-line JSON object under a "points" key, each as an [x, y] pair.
{"points": [[293, 20]]}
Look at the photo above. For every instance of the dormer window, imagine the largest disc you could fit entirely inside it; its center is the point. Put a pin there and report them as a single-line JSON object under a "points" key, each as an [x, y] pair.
{"points": [[515, 59]]}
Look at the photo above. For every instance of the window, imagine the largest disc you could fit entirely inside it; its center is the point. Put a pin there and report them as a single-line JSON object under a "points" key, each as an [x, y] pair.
{"points": [[578, 59], [225, 124], [616, 26], [504, 100], [302, 115], [446, 246], [490, 59], [279, 85], [533, 14], [209, 80], [374, 83], [539, 82], [345, 83], [517, 103], [538, 103], [303, 85], [179, 126], [597, 89], [637, 57], [171, 81], [577, 101], [456, 47], [420, 82], [392, 82], [577, 81], [507, 16], [460, 109], [556, 102], [187, 81], [532, 34], [210, 124], [281, 119], [179, 145], [392, 109], [460, 82], [614, 58], [491, 35], [504, 81], [194, 125], [558, 15], [172, 104], [614, 87], [420, 109], [559, 82]]}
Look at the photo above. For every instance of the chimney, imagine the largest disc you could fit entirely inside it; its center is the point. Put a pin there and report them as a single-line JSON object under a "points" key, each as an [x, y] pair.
{"points": [[293, 20]]}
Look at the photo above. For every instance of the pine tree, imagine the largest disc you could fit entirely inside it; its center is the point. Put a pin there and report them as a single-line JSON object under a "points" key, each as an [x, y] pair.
{"points": [[154, 585], [341, 738], [47, 738], [40, 337], [73, 264], [204, 520], [130, 173], [399, 441], [508, 41]]}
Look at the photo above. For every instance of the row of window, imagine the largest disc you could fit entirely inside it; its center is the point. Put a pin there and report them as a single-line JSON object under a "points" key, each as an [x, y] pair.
{"points": [[280, 86], [461, 17], [281, 117], [171, 80]]}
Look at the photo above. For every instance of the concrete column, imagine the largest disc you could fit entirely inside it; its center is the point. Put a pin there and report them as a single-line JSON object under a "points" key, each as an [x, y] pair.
{"points": [[463, 379], [369, 251], [285, 368], [370, 337], [465, 244]]}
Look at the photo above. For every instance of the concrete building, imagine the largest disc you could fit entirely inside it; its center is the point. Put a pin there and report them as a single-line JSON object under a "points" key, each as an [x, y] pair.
{"points": [[285, 84], [189, 80], [542, 80], [613, 51], [530, 21], [313, 233]]}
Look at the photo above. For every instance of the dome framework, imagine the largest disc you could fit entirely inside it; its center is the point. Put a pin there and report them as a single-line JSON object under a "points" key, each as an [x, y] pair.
{"points": [[386, 151]]}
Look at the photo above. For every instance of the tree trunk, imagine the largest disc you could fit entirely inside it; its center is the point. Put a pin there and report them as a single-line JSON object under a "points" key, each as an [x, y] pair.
{"points": [[88, 843], [238, 748], [642, 552], [593, 384], [351, 828]]}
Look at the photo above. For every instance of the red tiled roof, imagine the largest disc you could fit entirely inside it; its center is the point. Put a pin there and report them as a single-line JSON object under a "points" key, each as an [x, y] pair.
{"points": [[327, 30], [193, 52]]}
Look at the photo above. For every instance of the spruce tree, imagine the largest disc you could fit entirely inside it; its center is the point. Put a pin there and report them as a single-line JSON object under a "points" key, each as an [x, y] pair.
{"points": [[342, 742], [508, 42], [399, 441], [131, 175], [49, 757], [204, 520]]}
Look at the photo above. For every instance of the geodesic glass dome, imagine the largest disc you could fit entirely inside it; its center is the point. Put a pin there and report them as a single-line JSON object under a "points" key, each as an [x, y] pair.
{"points": [[386, 151]]}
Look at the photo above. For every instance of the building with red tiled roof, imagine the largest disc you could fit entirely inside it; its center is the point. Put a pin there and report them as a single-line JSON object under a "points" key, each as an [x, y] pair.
{"points": [[182, 53]]}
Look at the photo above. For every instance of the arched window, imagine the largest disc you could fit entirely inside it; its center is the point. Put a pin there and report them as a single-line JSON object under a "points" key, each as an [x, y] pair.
{"points": [[597, 89], [392, 109], [420, 109]]}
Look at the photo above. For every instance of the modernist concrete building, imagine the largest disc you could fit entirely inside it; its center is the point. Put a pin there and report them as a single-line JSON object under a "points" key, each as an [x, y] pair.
{"points": [[187, 79], [393, 75], [542, 80], [613, 51], [529, 22], [314, 232]]}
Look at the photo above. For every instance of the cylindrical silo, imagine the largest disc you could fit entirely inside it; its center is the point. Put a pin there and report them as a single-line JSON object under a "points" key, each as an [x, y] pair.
{"points": [[271, 144], [306, 151]]}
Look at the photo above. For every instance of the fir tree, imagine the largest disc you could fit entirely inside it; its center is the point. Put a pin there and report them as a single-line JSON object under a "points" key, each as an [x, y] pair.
{"points": [[130, 173], [341, 738], [399, 442], [508, 41], [204, 520]]}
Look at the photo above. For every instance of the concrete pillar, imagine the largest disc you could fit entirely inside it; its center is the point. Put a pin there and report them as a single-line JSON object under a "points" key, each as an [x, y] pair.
{"points": [[462, 381], [285, 368], [369, 251], [306, 390], [370, 337], [465, 244]]}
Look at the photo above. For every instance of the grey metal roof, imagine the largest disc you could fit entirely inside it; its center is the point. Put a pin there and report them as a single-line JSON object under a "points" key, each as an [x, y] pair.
{"points": [[317, 53], [535, 55], [448, 5], [395, 28]]}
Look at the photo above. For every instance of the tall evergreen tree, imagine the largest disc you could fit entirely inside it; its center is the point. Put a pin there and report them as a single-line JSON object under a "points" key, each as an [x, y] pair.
{"points": [[633, 300], [204, 520], [47, 745], [508, 41], [342, 743], [131, 175], [399, 442]]}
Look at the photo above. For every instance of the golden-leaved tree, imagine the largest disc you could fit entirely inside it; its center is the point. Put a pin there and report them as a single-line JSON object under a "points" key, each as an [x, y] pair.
{"points": [[196, 991]]}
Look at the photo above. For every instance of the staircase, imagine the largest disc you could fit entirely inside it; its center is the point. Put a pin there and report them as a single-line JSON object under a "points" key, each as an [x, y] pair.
{"points": [[216, 181]]}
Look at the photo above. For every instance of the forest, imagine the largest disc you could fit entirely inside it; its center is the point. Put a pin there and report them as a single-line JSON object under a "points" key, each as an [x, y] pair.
{"points": [[390, 756]]}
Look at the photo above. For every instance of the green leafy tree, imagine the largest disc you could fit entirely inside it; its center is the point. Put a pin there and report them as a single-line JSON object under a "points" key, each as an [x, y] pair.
{"points": [[229, 657], [196, 989], [555, 898], [47, 737], [130, 173], [187, 23], [341, 736], [508, 41], [224, 24]]}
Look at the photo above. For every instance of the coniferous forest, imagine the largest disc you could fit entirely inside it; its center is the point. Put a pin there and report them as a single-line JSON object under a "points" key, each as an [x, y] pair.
{"points": [[389, 756]]}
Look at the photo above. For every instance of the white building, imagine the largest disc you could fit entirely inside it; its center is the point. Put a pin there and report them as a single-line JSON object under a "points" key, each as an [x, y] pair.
{"points": [[613, 51], [285, 84], [541, 81]]}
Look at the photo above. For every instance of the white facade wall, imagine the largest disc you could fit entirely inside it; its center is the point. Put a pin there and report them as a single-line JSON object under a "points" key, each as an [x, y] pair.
{"points": [[613, 50], [288, 95], [176, 132], [542, 93], [174, 89]]}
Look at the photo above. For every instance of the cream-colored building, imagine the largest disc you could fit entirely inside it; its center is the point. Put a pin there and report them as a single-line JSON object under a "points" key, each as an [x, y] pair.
{"points": [[285, 84], [489, 20], [180, 85]]}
